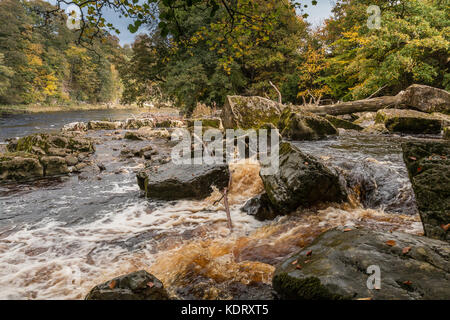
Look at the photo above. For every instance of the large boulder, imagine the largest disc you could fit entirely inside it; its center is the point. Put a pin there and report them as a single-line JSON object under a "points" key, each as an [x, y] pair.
{"points": [[301, 125], [301, 180], [409, 121], [181, 181], [20, 167], [336, 264], [139, 285], [249, 112], [426, 99], [428, 165]]}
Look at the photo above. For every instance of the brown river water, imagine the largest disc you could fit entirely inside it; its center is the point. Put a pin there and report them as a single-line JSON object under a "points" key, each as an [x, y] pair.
{"points": [[59, 238]]}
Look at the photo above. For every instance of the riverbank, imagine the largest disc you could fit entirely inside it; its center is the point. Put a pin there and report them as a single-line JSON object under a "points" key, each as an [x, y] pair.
{"points": [[35, 108]]}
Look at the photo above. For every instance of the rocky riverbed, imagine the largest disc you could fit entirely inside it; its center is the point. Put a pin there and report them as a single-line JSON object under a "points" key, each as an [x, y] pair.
{"points": [[60, 236]]}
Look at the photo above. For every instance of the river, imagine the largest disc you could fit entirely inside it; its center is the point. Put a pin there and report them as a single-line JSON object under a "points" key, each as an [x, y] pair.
{"points": [[60, 237], [19, 125]]}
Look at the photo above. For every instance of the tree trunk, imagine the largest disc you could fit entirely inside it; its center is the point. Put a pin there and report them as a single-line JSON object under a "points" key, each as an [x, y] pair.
{"points": [[372, 105]]}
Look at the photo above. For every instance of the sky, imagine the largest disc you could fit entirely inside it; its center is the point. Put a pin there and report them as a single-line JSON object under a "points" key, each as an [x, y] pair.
{"points": [[317, 14]]}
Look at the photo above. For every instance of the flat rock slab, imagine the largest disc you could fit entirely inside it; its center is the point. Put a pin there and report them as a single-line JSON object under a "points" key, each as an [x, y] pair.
{"points": [[428, 165], [139, 285], [335, 266], [173, 182], [409, 121]]}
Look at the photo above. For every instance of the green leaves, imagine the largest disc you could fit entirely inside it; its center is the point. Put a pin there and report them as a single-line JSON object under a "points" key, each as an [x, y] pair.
{"points": [[133, 28]]}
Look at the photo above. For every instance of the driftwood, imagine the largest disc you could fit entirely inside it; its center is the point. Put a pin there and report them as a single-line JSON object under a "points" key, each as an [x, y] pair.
{"points": [[280, 98], [225, 202], [224, 197], [366, 105]]}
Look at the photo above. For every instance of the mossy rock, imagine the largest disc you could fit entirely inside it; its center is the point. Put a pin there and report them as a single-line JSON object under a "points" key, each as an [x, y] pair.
{"points": [[250, 112], [42, 155], [301, 181], [133, 135], [335, 266], [343, 124], [54, 166], [409, 121], [138, 123], [20, 166], [206, 122], [139, 285], [104, 125], [295, 124], [428, 165], [45, 142], [426, 98], [170, 123]]}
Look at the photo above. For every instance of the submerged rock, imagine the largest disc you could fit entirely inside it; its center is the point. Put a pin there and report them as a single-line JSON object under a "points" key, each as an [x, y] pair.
{"points": [[172, 182], [300, 125], [249, 112], [447, 133], [132, 135], [409, 121], [301, 180], [139, 285], [335, 266], [260, 207], [343, 124], [426, 98], [428, 165]]}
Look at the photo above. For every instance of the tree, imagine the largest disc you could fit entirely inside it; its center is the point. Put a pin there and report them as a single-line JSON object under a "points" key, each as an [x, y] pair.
{"points": [[411, 46], [196, 62], [46, 60]]}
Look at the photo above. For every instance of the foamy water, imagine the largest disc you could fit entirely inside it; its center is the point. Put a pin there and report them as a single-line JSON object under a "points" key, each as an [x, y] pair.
{"points": [[58, 241]]}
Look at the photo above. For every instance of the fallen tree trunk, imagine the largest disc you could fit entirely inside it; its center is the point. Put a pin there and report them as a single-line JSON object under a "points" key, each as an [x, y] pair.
{"points": [[367, 105]]}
